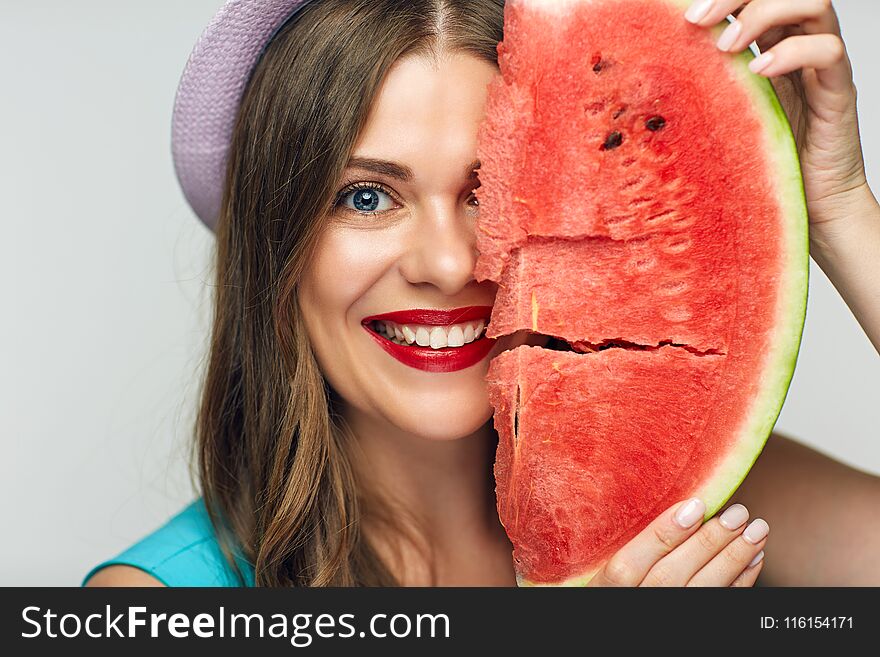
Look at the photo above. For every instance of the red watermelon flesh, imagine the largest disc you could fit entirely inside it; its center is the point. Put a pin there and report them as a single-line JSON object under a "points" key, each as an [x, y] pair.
{"points": [[640, 202]]}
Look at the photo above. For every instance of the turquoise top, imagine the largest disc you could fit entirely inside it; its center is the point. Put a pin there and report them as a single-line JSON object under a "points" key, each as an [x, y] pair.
{"points": [[182, 552]]}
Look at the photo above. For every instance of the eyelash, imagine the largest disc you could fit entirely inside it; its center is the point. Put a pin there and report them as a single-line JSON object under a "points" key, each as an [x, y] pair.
{"points": [[340, 197]]}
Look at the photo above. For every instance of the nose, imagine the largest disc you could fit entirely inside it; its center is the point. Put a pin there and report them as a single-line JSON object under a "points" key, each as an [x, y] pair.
{"points": [[441, 249]]}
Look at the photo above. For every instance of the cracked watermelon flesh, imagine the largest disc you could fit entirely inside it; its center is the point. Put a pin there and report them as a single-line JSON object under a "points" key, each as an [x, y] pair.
{"points": [[641, 202]]}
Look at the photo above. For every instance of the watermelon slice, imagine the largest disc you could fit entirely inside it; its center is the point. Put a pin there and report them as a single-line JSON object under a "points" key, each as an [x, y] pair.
{"points": [[641, 205]]}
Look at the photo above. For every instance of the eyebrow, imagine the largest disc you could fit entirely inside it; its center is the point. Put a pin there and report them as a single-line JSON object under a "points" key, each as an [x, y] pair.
{"points": [[398, 171]]}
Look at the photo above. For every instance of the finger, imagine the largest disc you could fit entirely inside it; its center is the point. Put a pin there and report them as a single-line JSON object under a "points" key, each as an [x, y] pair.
{"points": [[823, 52], [732, 560], [712, 12], [813, 17], [749, 576], [630, 564], [766, 41], [677, 568]]}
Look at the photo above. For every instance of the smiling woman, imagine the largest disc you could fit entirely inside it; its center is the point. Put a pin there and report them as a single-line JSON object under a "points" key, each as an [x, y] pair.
{"points": [[328, 452], [344, 435]]}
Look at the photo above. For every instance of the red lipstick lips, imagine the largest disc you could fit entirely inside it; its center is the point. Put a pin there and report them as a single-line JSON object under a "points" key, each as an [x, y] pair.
{"points": [[446, 359]]}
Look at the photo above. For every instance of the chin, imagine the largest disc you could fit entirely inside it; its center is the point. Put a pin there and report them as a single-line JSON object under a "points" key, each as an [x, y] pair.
{"points": [[438, 407], [440, 423]]}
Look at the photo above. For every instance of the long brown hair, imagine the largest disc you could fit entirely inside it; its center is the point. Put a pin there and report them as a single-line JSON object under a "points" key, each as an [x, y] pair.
{"points": [[273, 457]]}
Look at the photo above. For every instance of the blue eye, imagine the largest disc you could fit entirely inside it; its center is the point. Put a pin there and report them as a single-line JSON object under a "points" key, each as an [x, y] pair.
{"points": [[365, 198]]}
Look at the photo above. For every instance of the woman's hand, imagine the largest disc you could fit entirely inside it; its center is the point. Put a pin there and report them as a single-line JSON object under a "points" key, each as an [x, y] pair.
{"points": [[674, 550], [804, 54]]}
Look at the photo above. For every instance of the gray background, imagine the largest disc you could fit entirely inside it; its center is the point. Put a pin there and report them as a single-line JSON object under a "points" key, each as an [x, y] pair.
{"points": [[105, 285]]}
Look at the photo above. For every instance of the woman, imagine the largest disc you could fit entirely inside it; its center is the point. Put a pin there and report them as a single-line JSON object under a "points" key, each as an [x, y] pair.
{"points": [[322, 461]]}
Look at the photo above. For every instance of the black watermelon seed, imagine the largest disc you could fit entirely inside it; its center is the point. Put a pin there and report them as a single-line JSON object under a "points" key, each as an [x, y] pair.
{"points": [[655, 123], [613, 140], [618, 113], [598, 64]]}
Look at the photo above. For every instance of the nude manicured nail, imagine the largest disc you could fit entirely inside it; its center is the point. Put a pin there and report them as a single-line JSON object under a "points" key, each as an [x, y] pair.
{"points": [[761, 62], [689, 513], [697, 11], [756, 531], [734, 517], [729, 36], [754, 562]]}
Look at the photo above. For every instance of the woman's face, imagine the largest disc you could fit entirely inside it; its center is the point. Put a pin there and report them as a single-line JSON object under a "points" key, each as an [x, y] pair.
{"points": [[402, 241]]}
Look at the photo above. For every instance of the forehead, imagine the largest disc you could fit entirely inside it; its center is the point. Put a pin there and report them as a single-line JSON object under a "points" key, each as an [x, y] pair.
{"points": [[427, 112]]}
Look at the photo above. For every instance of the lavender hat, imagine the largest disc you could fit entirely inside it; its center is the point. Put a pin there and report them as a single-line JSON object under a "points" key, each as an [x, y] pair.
{"points": [[210, 91]]}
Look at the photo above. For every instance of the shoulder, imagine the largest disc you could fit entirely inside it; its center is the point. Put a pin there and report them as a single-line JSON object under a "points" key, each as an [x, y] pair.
{"points": [[182, 552], [121, 575]]}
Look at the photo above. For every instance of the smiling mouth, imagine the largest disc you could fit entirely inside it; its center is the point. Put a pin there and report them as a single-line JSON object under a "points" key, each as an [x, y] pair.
{"points": [[430, 336]]}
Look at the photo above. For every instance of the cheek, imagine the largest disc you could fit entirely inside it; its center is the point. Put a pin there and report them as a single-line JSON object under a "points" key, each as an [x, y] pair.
{"points": [[345, 266], [340, 273], [334, 293]]}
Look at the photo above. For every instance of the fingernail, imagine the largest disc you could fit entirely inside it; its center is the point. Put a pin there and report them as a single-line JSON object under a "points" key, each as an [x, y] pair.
{"points": [[729, 36], [734, 516], [761, 62], [697, 11], [754, 562], [756, 531], [690, 512]]}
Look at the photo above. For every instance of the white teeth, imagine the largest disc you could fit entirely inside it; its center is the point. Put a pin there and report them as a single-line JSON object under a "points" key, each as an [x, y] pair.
{"points": [[456, 337], [436, 337]]}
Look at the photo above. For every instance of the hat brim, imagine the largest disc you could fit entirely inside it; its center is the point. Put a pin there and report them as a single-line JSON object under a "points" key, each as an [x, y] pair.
{"points": [[210, 92]]}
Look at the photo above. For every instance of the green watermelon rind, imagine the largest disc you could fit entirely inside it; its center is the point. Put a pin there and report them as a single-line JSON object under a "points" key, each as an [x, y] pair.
{"points": [[791, 310]]}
